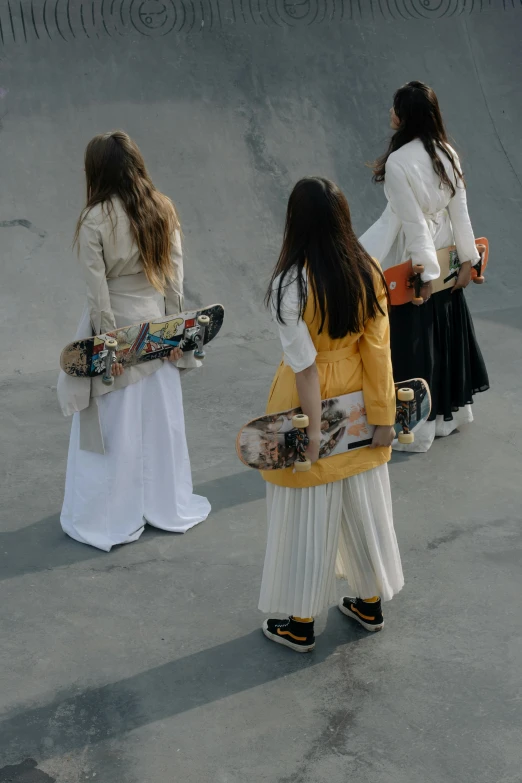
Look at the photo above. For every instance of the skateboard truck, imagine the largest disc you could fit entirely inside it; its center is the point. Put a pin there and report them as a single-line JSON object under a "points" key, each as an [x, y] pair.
{"points": [[203, 323], [478, 277], [416, 283], [110, 346], [404, 415], [298, 439], [194, 335]]}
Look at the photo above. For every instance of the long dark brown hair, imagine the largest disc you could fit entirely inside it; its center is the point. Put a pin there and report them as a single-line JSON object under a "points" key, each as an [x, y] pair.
{"points": [[417, 109], [114, 166], [319, 242]]}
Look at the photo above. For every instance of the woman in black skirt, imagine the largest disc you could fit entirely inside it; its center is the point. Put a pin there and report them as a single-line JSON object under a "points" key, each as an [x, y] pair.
{"points": [[427, 211]]}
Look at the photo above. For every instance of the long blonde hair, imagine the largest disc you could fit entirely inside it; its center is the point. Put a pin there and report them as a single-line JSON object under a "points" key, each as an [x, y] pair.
{"points": [[114, 166]]}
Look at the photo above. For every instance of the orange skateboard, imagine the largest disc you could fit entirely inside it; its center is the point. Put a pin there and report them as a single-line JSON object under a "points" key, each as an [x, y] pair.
{"points": [[404, 282]]}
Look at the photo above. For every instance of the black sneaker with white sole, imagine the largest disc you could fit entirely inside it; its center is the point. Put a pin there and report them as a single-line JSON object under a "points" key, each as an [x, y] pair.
{"points": [[298, 636], [368, 614]]}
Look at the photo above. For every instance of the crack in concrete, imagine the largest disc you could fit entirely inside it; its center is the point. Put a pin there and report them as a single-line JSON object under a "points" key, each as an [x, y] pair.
{"points": [[26, 224], [155, 560], [333, 739], [457, 532]]}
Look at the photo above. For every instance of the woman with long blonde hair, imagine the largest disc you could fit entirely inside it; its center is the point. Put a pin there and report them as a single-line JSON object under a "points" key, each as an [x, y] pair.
{"points": [[128, 461]]}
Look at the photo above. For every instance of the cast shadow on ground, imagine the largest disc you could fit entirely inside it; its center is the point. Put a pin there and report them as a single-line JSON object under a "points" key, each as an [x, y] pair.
{"points": [[75, 718], [43, 546]]}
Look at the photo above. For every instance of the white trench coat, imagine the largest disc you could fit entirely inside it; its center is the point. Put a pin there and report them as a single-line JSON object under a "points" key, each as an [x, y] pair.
{"points": [[139, 471], [118, 294], [421, 216]]}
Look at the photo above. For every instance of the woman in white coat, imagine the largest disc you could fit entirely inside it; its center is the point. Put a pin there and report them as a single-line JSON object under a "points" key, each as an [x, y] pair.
{"points": [[427, 210], [128, 460]]}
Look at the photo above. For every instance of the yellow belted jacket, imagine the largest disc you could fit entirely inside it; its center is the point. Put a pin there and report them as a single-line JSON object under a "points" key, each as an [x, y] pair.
{"points": [[349, 364]]}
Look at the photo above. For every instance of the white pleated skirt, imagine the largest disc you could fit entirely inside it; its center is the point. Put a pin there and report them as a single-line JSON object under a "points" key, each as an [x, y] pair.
{"points": [[438, 428], [344, 528], [144, 475]]}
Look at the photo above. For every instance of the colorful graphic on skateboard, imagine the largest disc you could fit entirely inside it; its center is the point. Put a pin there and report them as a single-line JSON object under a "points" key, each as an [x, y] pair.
{"points": [[279, 440], [404, 281], [144, 342]]}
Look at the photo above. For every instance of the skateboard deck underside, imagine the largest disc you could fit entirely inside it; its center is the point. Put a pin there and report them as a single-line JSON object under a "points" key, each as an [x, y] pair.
{"points": [[138, 343], [398, 277], [263, 442]]}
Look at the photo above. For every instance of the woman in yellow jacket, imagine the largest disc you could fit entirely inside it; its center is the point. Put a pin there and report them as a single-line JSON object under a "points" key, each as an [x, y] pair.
{"points": [[329, 300]]}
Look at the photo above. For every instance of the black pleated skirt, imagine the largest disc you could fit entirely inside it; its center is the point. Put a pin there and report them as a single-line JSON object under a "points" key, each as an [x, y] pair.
{"points": [[437, 342]]}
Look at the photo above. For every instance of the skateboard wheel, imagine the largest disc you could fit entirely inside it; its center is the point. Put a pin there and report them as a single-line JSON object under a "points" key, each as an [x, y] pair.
{"points": [[108, 381], [406, 437], [302, 465], [479, 280], [405, 395], [111, 343], [417, 300], [203, 320], [300, 420], [418, 269]]}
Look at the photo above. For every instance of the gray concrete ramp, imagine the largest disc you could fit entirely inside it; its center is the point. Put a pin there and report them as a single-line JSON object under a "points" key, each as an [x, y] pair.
{"points": [[147, 665]]}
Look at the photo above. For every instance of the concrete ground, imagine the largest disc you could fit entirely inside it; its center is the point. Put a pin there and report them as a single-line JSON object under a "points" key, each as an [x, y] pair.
{"points": [[147, 664]]}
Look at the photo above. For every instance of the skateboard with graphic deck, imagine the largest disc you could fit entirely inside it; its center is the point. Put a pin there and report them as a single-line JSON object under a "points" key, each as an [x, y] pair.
{"points": [[144, 342], [279, 440], [404, 280]]}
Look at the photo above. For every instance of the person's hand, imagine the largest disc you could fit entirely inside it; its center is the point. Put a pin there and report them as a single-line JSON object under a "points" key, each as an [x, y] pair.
{"points": [[425, 293], [383, 436], [312, 450], [463, 278], [174, 355]]}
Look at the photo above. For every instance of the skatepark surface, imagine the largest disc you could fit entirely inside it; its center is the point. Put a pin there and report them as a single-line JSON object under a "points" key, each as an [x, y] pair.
{"points": [[147, 665]]}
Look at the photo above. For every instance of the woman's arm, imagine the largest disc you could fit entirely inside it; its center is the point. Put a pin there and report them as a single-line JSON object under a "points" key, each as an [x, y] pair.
{"points": [[403, 202], [174, 290], [309, 391], [299, 354], [463, 234], [461, 224], [93, 270], [378, 386]]}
